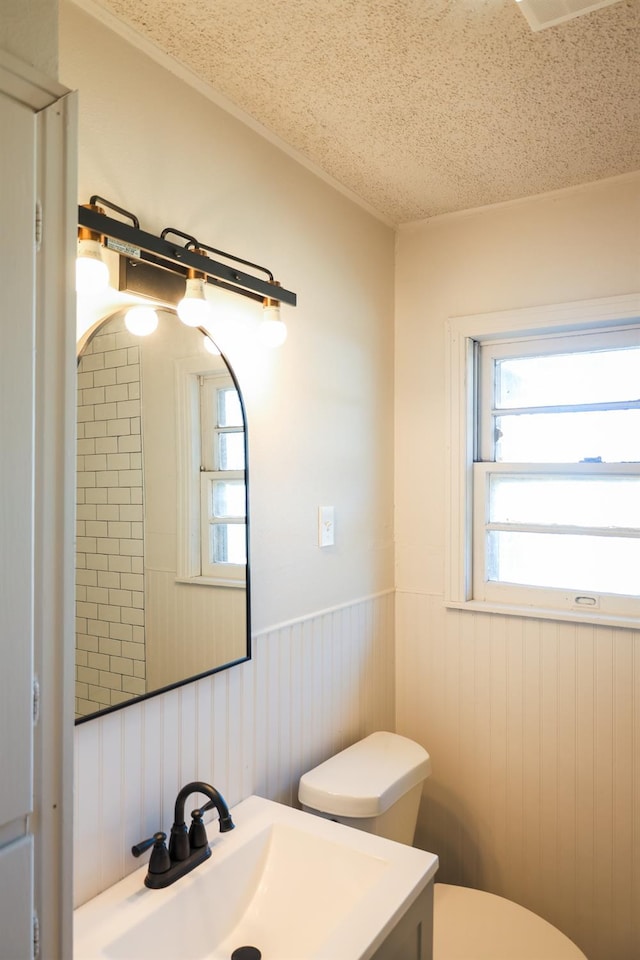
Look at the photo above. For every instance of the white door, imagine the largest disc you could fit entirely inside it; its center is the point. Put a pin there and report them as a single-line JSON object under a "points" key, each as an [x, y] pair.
{"points": [[16, 919], [33, 600], [17, 352]]}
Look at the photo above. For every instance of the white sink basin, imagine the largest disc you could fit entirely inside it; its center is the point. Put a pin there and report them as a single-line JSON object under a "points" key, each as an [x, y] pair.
{"points": [[295, 886]]}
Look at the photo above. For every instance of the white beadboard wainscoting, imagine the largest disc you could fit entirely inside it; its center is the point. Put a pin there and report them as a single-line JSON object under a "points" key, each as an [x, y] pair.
{"points": [[183, 618], [313, 687], [533, 727]]}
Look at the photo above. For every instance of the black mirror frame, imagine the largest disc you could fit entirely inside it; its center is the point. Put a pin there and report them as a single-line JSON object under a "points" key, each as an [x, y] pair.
{"points": [[231, 663]]}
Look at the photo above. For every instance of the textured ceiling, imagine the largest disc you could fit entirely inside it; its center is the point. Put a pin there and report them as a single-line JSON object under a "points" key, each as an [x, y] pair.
{"points": [[419, 107]]}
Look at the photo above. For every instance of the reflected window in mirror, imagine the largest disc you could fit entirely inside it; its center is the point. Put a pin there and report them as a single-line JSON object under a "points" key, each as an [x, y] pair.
{"points": [[146, 619], [222, 481]]}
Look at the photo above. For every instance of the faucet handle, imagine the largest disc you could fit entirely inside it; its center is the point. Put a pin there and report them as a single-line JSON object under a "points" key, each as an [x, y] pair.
{"points": [[197, 830], [159, 861], [139, 848]]}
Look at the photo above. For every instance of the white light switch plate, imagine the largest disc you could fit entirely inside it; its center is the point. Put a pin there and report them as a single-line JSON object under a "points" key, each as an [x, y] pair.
{"points": [[326, 526]]}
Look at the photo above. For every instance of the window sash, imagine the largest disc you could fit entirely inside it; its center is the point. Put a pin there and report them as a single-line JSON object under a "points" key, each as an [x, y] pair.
{"points": [[195, 376], [227, 572], [565, 598], [511, 330], [488, 352], [211, 429]]}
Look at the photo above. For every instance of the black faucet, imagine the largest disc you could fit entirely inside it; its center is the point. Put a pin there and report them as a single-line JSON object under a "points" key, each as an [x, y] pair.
{"points": [[186, 849]]}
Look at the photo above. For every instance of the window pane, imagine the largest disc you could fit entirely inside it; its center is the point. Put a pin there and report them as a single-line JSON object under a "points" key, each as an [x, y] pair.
{"points": [[228, 543], [231, 451], [612, 435], [229, 408], [584, 563], [577, 501], [228, 499], [589, 377]]}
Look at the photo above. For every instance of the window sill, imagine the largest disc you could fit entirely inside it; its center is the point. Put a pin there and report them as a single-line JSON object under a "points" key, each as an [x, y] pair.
{"points": [[213, 582], [540, 613]]}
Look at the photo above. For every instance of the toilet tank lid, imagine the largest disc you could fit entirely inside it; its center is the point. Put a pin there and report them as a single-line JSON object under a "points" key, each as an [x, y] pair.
{"points": [[367, 778]]}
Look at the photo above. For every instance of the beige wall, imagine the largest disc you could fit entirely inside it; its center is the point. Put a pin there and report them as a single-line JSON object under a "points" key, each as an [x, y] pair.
{"points": [[533, 728], [29, 31], [320, 409]]}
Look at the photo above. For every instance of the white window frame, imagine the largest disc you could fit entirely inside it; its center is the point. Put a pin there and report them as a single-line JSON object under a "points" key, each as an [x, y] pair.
{"points": [[462, 335], [209, 385], [189, 481]]}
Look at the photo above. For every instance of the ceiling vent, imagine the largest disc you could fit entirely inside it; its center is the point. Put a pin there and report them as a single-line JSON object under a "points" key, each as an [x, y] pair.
{"points": [[547, 13]]}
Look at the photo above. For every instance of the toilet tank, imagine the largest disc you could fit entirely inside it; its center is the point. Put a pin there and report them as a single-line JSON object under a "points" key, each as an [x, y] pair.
{"points": [[373, 785]]}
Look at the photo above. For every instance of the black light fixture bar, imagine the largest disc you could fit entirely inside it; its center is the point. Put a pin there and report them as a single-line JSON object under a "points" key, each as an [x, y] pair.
{"points": [[134, 243], [150, 276]]}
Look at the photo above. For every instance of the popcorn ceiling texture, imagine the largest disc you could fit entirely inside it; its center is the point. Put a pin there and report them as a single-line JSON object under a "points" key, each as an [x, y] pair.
{"points": [[419, 107]]}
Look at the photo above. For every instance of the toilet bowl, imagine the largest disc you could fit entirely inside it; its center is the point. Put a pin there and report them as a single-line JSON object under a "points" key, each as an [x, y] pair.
{"points": [[375, 785], [474, 925]]}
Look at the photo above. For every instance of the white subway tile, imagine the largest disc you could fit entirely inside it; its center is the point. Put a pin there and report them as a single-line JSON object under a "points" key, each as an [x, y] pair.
{"points": [[111, 680], [115, 358], [109, 612], [118, 391], [105, 411], [104, 377], [130, 444], [96, 429], [97, 528], [108, 511], [117, 428], [128, 374], [106, 444]]}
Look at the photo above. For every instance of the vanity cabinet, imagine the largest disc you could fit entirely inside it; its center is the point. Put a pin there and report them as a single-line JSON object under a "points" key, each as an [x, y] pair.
{"points": [[412, 937]]}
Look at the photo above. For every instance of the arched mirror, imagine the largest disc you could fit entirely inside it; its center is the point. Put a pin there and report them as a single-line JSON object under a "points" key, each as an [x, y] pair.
{"points": [[162, 574]]}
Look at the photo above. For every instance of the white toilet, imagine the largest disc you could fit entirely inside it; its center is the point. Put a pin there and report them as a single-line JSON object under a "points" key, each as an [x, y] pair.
{"points": [[375, 785]]}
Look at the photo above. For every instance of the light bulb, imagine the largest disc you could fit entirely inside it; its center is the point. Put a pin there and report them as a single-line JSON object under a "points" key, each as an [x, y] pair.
{"points": [[92, 273], [141, 321], [210, 346], [194, 309], [272, 331]]}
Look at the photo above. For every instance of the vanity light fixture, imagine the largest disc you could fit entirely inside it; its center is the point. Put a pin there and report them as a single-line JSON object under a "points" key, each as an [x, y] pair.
{"points": [[194, 309], [273, 331], [92, 273], [158, 268]]}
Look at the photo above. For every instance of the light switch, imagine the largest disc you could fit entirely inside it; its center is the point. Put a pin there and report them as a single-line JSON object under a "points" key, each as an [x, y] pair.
{"points": [[325, 526]]}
